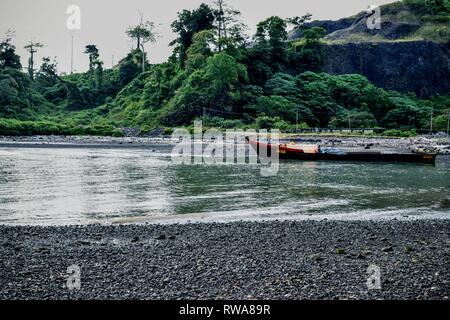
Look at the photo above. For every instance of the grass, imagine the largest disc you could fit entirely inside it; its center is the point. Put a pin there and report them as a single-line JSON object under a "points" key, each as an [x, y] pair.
{"points": [[12, 127], [433, 27], [435, 32]]}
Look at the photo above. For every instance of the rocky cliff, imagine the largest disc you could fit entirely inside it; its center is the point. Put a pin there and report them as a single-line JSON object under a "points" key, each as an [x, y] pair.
{"points": [[422, 67], [410, 52]]}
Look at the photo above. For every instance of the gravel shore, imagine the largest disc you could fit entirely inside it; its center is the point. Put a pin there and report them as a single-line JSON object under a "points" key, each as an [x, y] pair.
{"points": [[433, 144], [242, 260]]}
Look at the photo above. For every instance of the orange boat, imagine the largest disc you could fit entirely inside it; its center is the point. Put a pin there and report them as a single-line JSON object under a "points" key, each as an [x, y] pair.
{"points": [[316, 153]]}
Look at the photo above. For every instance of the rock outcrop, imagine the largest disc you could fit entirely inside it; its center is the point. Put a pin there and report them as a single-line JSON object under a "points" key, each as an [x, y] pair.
{"points": [[422, 67], [329, 25], [408, 53]]}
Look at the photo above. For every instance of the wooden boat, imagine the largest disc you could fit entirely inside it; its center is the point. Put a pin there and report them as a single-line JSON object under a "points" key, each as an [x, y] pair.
{"points": [[309, 153]]}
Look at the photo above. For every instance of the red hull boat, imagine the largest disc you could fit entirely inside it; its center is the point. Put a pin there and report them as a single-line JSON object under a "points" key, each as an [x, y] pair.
{"points": [[315, 153]]}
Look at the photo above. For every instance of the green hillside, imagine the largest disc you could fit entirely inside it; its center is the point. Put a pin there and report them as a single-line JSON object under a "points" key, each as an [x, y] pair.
{"points": [[219, 75]]}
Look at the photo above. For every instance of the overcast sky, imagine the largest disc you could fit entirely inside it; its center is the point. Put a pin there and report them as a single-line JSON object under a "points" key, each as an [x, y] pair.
{"points": [[103, 23]]}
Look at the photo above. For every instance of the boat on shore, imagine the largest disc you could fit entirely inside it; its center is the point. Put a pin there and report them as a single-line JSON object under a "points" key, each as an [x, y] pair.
{"points": [[311, 152]]}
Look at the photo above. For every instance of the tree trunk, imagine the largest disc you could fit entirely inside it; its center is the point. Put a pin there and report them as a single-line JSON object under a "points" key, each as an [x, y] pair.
{"points": [[220, 25], [31, 66], [143, 58]]}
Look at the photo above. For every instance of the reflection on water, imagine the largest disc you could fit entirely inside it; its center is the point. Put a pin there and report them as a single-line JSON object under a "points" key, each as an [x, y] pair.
{"points": [[76, 186]]}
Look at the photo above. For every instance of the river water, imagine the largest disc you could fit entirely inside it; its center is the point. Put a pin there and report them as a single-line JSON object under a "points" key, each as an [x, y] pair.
{"points": [[58, 186]]}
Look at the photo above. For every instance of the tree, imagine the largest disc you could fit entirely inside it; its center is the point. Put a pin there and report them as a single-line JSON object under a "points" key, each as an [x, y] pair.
{"points": [[313, 35], [93, 53], [15, 98], [298, 22], [284, 108], [308, 55], [230, 30], [437, 6], [47, 72], [223, 73], [99, 72], [128, 70], [48, 66], [95, 64], [282, 84], [272, 29], [220, 20], [142, 33], [259, 64], [276, 106], [269, 54], [189, 23], [31, 47], [8, 56], [353, 119], [265, 122], [200, 50], [211, 89]]}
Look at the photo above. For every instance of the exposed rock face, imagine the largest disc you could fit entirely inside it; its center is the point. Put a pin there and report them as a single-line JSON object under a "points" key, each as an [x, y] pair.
{"points": [[329, 25], [389, 30], [422, 67], [397, 20], [386, 56]]}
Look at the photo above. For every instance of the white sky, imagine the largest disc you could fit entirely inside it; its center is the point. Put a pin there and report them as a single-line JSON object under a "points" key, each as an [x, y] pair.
{"points": [[104, 23]]}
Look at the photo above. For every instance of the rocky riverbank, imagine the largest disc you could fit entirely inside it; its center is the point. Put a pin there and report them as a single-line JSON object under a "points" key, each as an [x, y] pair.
{"points": [[82, 140], [432, 144], [242, 260]]}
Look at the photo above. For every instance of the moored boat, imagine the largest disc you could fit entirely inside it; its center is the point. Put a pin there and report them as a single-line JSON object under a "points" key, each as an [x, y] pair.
{"points": [[316, 153]]}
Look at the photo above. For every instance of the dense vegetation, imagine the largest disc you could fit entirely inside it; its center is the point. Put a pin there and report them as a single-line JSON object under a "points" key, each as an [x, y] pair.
{"points": [[215, 73], [406, 20]]}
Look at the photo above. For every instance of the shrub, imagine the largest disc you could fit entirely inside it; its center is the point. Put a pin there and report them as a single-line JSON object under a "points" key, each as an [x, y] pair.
{"points": [[264, 122], [12, 127], [399, 133]]}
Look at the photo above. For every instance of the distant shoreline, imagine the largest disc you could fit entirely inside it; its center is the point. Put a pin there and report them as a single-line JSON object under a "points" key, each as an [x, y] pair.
{"points": [[81, 142], [439, 145]]}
